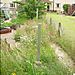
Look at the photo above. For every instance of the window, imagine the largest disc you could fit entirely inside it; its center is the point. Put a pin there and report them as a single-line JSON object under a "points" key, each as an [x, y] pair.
{"points": [[57, 5], [12, 4]]}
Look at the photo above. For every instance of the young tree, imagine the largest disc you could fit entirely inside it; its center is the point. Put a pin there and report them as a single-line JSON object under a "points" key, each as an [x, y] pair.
{"points": [[29, 8]]}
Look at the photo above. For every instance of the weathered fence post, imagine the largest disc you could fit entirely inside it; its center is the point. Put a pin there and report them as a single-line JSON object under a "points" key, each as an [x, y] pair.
{"points": [[50, 21], [38, 38], [5, 41], [37, 14], [38, 42], [7, 44], [59, 29]]}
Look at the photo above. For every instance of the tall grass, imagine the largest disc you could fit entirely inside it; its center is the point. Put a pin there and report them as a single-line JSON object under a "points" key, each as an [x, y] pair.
{"points": [[21, 60], [67, 44], [67, 41]]}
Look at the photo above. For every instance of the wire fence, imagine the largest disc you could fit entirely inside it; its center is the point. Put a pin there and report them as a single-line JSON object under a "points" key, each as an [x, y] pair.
{"points": [[56, 25], [37, 34]]}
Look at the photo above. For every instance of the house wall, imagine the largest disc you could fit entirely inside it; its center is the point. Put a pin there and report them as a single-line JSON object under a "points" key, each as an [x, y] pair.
{"points": [[61, 3]]}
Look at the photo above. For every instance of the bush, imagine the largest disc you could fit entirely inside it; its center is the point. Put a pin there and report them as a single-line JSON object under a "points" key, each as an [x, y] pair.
{"points": [[19, 20], [65, 7], [2, 13], [29, 8]]}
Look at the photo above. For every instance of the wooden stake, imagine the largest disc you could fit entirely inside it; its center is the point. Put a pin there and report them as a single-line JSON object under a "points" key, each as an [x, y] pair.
{"points": [[39, 42]]}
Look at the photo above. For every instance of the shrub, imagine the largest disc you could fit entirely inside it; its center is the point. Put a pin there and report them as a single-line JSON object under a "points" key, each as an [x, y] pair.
{"points": [[29, 8], [65, 7], [19, 20], [2, 13]]}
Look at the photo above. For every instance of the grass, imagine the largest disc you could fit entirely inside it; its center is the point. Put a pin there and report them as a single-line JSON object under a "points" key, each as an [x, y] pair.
{"points": [[67, 41], [68, 23], [21, 60]]}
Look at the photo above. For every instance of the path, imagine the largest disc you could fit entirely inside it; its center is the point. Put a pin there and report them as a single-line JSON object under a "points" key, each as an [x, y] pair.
{"points": [[63, 56]]}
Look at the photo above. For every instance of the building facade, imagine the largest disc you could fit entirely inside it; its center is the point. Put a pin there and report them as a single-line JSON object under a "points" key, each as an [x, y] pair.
{"points": [[57, 5], [8, 7]]}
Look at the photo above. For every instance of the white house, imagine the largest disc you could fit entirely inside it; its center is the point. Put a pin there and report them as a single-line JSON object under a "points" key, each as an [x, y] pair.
{"points": [[58, 4]]}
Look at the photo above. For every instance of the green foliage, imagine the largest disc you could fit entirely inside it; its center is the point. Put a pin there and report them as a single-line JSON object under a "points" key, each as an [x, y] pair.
{"points": [[1, 20], [21, 61], [15, 21], [6, 24], [17, 36], [19, 20], [29, 8], [65, 7]]}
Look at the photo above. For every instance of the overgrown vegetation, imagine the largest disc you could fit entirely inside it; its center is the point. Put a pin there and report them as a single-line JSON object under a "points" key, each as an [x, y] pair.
{"points": [[21, 60], [29, 8], [14, 22], [2, 15], [6, 24], [66, 41]]}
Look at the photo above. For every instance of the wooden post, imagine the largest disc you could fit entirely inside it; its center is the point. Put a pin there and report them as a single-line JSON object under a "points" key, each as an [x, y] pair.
{"points": [[59, 30], [38, 42], [5, 41], [7, 44], [37, 14], [38, 39], [50, 21]]}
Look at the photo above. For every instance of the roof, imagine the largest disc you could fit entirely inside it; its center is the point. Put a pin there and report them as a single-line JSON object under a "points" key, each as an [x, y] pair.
{"points": [[47, 1]]}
